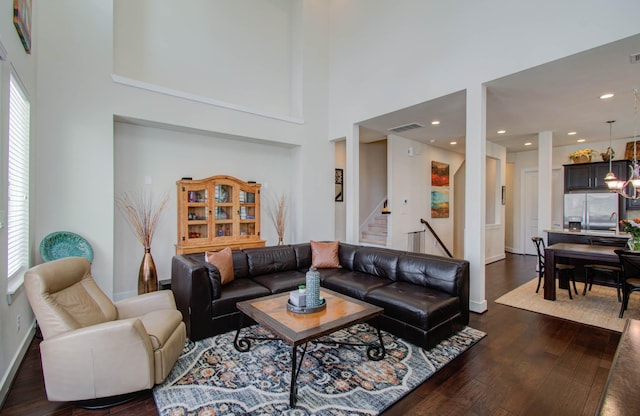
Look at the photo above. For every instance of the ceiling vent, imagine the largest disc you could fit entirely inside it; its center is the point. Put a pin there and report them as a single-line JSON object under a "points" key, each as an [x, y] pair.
{"points": [[635, 58], [405, 127]]}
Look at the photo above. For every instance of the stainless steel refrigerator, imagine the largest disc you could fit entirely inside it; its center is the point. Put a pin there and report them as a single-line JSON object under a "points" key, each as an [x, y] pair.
{"points": [[594, 210]]}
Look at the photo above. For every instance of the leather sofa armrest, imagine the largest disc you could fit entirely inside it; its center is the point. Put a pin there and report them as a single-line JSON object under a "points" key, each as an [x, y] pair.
{"points": [[98, 361], [142, 304], [191, 284]]}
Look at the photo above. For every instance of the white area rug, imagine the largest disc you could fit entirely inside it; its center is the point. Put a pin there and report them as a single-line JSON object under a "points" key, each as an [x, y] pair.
{"points": [[600, 306]]}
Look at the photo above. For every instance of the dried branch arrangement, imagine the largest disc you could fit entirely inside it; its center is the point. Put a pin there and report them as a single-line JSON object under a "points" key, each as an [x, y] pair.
{"points": [[143, 214], [279, 215]]}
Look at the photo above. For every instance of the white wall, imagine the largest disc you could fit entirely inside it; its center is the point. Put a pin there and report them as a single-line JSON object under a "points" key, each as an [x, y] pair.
{"points": [[439, 58], [234, 51], [410, 180]]}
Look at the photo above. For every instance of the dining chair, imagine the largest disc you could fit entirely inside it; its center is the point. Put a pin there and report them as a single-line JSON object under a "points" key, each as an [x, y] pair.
{"points": [[561, 269], [613, 271], [630, 264]]}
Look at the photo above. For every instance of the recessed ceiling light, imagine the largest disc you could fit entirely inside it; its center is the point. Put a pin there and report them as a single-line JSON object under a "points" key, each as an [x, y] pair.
{"points": [[605, 96], [435, 122], [452, 143], [528, 144], [502, 131], [432, 140], [572, 133], [581, 140]]}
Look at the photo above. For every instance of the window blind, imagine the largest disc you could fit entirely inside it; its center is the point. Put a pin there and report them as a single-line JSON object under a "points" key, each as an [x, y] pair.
{"points": [[18, 176]]}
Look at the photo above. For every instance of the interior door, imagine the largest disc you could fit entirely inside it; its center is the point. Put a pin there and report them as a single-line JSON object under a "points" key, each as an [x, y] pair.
{"points": [[530, 210]]}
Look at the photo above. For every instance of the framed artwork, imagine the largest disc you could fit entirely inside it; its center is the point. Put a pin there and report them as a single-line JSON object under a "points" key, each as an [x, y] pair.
{"points": [[22, 22], [339, 185], [628, 151], [439, 174], [440, 202]]}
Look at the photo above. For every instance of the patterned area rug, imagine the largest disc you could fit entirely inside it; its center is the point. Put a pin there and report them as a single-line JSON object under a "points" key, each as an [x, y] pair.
{"points": [[212, 378], [600, 306]]}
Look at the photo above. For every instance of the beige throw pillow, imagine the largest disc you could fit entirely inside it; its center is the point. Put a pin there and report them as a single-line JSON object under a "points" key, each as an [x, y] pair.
{"points": [[223, 260], [324, 255]]}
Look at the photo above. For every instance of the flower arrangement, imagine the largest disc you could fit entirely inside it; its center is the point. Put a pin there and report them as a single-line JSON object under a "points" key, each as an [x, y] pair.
{"points": [[143, 214], [582, 154], [632, 227]]}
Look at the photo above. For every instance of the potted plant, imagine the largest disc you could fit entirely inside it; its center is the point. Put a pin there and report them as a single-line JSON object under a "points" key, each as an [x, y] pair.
{"points": [[582, 155]]}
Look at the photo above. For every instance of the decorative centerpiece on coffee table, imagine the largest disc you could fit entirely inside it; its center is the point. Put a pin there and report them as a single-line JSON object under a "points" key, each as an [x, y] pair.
{"points": [[307, 298]]}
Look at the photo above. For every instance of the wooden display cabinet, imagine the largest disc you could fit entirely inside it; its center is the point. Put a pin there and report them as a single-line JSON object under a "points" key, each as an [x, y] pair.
{"points": [[217, 212]]}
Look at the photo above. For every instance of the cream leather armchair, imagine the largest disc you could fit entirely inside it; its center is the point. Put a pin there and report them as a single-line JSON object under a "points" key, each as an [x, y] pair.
{"points": [[94, 348]]}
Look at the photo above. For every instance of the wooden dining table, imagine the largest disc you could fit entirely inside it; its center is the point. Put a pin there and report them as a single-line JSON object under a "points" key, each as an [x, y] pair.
{"points": [[594, 253]]}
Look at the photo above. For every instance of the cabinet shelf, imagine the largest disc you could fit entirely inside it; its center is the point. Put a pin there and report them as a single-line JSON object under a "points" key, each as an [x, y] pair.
{"points": [[230, 218]]}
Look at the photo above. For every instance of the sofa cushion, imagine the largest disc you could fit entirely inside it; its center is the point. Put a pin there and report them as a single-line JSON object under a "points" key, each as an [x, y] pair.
{"points": [[267, 260], [347, 253], [354, 284], [282, 281], [377, 262], [430, 271], [303, 255], [223, 260], [236, 291], [324, 255], [421, 307]]}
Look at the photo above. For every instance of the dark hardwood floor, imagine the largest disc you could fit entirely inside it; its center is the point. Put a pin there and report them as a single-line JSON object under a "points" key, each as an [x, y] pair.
{"points": [[528, 364]]}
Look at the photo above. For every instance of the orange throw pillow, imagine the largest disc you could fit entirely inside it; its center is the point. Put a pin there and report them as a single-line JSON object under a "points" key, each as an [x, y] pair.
{"points": [[223, 260], [324, 255]]}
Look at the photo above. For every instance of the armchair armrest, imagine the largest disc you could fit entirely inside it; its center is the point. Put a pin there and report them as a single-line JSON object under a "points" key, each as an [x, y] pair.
{"points": [[142, 304], [98, 361]]}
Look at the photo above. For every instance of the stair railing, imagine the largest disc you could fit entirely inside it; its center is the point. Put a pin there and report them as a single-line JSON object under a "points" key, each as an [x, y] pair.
{"points": [[433, 232]]}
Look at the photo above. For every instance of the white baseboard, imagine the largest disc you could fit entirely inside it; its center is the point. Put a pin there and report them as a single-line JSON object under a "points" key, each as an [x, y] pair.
{"points": [[12, 370], [478, 307], [495, 258]]}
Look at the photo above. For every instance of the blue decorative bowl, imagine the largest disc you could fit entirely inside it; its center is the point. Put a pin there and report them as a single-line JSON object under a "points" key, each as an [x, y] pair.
{"points": [[65, 244]]}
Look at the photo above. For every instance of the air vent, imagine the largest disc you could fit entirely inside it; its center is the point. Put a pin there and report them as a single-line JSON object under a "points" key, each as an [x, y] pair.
{"points": [[405, 127], [635, 58]]}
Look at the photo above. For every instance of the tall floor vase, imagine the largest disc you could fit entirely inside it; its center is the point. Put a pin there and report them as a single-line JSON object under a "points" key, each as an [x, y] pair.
{"points": [[148, 275]]}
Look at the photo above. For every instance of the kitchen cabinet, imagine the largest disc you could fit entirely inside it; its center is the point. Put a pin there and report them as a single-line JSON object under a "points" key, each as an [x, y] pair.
{"points": [[590, 176]]}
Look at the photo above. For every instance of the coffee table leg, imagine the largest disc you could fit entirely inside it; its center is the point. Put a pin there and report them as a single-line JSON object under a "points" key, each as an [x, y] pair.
{"points": [[377, 352], [295, 370], [243, 344]]}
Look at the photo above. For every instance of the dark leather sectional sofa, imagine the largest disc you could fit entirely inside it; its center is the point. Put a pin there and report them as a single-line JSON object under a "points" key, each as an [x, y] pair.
{"points": [[425, 297]]}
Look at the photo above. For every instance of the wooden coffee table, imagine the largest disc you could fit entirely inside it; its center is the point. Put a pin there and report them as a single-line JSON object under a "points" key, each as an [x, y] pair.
{"points": [[298, 329]]}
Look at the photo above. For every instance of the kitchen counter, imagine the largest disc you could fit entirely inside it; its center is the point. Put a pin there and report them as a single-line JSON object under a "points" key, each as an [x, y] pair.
{"points": [[556, 235], [590, 233]]}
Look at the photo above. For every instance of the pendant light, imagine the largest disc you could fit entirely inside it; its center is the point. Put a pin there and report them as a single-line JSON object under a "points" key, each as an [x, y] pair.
{"points": [[630, 188]]}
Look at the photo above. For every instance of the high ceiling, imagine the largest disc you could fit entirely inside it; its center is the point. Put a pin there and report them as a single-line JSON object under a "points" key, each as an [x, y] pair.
{"points": [[560, 96]]}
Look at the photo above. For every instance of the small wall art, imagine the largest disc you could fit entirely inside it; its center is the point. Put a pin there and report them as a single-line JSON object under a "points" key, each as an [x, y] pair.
{"points": [[440, 202], [439, 174], [22, 22], [439, 190], [339, 185]]}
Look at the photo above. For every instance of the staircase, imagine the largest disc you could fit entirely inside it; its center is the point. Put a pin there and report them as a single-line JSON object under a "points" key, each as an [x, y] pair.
{"points": [[375, 232]]}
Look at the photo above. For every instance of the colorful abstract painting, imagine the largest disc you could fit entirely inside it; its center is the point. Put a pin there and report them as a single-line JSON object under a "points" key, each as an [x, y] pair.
{"points": [[440, 203], [439, 174]]}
